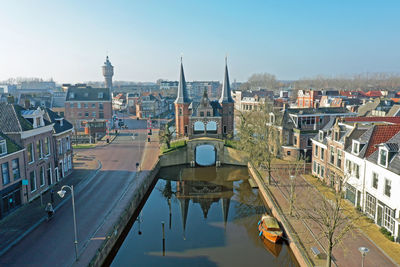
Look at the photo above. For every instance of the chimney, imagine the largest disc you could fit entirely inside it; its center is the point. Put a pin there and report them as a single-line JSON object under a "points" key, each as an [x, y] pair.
{"points": [[61, 122], [27, 104], [10, 99]]}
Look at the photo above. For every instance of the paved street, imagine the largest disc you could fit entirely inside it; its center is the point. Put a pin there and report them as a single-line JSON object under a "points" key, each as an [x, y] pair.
{"points": [[51, 244]]}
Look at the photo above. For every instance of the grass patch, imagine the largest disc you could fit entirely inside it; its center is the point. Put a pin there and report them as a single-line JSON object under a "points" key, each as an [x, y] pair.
{"points": [[232, 143], [174, 146], [83, 146]]}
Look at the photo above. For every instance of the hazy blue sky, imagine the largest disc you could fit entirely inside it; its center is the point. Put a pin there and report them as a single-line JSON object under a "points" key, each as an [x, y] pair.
{"points": [[68, 40]]}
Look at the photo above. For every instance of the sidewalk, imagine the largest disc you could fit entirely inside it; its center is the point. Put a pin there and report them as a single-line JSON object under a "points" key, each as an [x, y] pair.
{"points": [[22, 221], [346, 255]]}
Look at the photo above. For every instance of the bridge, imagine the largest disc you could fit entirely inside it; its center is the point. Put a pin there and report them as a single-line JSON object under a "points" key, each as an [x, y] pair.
{"points": [[203, 151]]}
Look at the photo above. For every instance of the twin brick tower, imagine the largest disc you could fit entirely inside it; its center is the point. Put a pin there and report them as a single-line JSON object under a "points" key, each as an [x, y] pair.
{"points": [[204, 118]]}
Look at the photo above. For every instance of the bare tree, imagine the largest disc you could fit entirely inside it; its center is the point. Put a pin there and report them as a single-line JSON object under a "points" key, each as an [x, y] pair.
{"points": [[258, 138], [165, 136], [330, 216]]}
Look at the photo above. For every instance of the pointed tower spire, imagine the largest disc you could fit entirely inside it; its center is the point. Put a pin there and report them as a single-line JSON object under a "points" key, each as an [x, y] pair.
{"points": [[226, 88], [225, 209], [184, 203], [182, 96]]}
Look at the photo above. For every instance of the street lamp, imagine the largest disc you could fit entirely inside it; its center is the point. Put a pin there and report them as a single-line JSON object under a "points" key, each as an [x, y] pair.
{"points": [[364, 252], [291, 200], [61, 193], [305, 158]]}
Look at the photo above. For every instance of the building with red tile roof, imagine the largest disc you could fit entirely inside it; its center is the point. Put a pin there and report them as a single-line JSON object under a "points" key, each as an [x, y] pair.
{"points": [[390, 120]]}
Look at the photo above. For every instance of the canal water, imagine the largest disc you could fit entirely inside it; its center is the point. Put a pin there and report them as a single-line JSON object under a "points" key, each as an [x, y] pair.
{"points": [[210, 218]]}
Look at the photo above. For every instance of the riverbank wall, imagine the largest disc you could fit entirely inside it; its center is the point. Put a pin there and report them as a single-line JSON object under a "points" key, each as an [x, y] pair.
{"points": [[294, 243], [182, 156], [144, 182]]}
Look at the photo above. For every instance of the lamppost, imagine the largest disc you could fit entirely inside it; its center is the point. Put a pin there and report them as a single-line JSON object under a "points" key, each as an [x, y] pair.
{"points": [[61, 193], [364, 252], [305, 158], [291, 200]]}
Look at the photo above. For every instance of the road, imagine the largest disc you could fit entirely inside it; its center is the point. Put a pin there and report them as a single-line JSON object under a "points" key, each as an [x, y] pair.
{"points": [[52, 243]]}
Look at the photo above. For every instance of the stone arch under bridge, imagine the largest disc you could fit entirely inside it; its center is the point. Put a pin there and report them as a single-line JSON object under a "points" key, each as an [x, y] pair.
{"points": [[217, 144]]}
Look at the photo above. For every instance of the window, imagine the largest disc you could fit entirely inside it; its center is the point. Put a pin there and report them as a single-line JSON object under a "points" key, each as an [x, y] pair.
{"points": [[294, 140], [86, 114], [41, 176], [101, 115], [93, 105], [49, 175], [388, 219], [322, 153], [356, 170], [388, 187], [94, 114], [31, 154], [208, 114], [5, 173], [69, 162], [79, 105], [348, 166], [383, 157], [316, 151], [201, 114], [224, 129], [68, 143], [3, 147], [180, 111], [370, 206], [59, 145], [322, 171], [321, 135], [356, 147], [375, 180], [101, 105], [314, 166], [15, 169], [86, 105], [32, 180], [336, 136], [39, 149], [339, 158], [288, 153], [47, 146], [100, 95], [332, 157]]}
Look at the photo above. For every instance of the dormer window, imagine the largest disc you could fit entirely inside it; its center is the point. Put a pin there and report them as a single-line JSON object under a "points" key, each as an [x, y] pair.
{"points": [[356, 147], [271, 118], [3, 147], [100, 95], [383, 157], [321, 136], [71, 95]]}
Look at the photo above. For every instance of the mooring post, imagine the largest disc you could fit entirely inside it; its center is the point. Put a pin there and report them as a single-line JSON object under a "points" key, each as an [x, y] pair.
{"points": [[163, 237]]}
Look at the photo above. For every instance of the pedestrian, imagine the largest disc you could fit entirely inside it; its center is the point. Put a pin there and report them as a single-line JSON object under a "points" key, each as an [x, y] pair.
{"points": [[50, 211], [52, 196]]}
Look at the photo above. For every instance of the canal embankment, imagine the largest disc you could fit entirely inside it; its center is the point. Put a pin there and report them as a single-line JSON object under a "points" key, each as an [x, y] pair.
{"points": [[293, 237]]}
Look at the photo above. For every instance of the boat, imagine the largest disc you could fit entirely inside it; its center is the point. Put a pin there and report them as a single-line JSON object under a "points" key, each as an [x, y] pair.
{"points": [[269, 228]]}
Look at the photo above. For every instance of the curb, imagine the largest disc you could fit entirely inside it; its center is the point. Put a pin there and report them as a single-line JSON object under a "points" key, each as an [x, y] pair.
{"points": [[33, 227]]}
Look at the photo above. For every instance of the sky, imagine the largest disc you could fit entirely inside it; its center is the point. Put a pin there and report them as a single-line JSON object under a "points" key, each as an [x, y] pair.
{"points": [[68, 40]]}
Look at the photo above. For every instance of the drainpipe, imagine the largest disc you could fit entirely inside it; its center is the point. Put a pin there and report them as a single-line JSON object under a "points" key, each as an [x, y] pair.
{"points": [[363, 188]]}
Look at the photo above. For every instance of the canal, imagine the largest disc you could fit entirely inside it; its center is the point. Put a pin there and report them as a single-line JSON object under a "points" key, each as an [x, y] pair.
{"points": [[210, 217]]}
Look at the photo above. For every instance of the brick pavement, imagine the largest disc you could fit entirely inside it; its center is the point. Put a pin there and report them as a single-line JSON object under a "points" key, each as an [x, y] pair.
{"points": [[26, 218], [345, 255]]}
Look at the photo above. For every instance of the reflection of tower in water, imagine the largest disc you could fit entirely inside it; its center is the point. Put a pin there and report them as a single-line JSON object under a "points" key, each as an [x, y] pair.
{"points": [[210, 189]]}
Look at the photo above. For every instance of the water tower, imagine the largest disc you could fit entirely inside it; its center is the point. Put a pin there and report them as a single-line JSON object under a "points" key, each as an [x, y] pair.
{"points": [[108, 72]]}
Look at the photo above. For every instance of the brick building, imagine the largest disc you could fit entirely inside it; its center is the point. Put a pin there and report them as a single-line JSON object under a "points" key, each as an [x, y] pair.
{"points": [[30, 130], [62, 136], [12, 173], [204, 118], [84, 103]]}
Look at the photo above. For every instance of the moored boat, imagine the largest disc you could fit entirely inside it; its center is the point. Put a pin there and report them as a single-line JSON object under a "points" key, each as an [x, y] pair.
{"points": [[269, 228]]}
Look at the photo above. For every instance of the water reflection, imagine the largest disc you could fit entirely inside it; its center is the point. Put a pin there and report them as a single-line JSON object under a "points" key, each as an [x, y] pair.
{"points": [[212, 216]]}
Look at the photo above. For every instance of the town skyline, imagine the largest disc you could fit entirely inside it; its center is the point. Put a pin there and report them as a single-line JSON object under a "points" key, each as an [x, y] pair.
{"points": [[145, 41]]}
